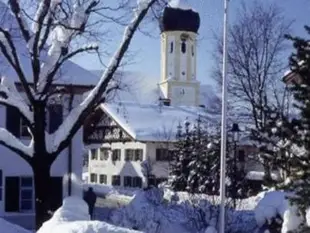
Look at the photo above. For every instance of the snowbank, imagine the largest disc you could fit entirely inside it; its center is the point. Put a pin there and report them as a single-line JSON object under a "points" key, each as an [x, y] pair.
{"points": [[8, 227], [73, 217], [152, 212], [276, 204]]}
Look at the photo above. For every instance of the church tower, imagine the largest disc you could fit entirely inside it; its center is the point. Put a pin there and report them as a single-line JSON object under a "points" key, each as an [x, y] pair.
{"points": [[179, 26]]}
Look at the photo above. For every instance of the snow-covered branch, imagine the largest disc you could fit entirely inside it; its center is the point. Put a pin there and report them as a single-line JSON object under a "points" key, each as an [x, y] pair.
{"points": [[15, 8], [11, 97], [9, 51], [77, 116], [49, 76], [10, 141], [62, 35]]}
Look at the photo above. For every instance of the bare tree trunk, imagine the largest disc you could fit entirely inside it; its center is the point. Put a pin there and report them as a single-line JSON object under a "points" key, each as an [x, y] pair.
{"points": [[41, 165], [42, 182]]}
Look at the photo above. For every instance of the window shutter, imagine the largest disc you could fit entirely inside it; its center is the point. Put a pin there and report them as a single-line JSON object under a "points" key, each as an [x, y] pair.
{"points": [[13, 120], [12, 194], [55, 117]]}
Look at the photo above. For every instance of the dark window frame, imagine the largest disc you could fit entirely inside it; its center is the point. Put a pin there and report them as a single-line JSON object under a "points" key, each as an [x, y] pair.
{"points": [[24, 128], [163, 154], [24, 187], [104, 154], [138, 155], [104, 178], [129, 156], [128, 181], [94, 156], [183, 47], [171, 47], [116, 180], [116, 154], [95, 176], [137, 182]]}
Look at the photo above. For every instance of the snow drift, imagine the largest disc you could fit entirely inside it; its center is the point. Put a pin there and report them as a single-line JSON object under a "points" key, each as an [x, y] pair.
{"points": [[11, 228], [73, 217]]}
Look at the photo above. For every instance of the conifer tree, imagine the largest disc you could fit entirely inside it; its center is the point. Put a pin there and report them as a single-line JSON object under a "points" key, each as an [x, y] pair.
{"points": [[289, 137]]}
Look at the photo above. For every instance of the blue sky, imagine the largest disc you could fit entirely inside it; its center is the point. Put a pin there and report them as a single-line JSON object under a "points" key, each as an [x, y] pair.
{"points": [[147, 49]]}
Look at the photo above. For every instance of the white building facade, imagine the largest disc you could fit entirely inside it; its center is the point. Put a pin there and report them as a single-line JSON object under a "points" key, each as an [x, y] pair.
{"points": [[148, 130]]}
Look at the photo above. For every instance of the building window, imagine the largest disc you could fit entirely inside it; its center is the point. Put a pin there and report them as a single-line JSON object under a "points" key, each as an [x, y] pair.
{"points": [[104, 154], [127, 181], [116, 155], [138, 154], [129, 154], [93, 154], [192, 50], [102, 179], [183, 47], [163, 154], [241, 155], [171, 47], [1, 184], [26, 193], [24, 128], [137, 182], [93, 178], [116, 180], [55, 117]]}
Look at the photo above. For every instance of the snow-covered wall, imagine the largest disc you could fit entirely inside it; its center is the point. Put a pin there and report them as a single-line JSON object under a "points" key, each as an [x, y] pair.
{"points": [[119, 167]]}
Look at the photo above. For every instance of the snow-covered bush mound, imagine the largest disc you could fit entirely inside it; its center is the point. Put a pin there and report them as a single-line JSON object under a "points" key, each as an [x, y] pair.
{"points": [[73, 217], [7, 227], [275, 205], [242, 204], [149, 211]]}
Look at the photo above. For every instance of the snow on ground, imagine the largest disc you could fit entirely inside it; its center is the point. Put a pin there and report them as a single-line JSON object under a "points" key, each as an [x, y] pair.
{"points": [[7, 227], [276, 203], [151, 212], [124, 195], [73, 217]]}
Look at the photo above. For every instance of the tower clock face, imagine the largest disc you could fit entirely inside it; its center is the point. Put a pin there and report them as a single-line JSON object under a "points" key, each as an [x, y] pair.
{"points": [[183, 95]]}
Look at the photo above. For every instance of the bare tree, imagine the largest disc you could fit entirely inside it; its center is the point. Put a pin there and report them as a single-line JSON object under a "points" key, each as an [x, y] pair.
{"points": [[65, 22], [256, 52]]}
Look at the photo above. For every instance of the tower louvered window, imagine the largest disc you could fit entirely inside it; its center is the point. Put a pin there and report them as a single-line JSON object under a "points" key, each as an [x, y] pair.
{"points": [[171, 47], [183, 47]]}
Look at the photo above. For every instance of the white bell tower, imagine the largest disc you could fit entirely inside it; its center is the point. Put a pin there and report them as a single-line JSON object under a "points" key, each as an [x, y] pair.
{"points": [[179, 28]]}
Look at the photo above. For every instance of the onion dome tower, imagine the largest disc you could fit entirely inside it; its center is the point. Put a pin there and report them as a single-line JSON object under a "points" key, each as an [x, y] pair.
{"points": [[179, 26]]}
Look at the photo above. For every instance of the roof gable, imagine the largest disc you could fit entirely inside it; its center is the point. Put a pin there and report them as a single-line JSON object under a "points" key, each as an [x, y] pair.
{"points": [[150, 122]]}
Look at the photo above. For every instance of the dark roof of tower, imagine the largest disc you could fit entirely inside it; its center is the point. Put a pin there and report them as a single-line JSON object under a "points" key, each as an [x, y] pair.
{"points": [[177, 19]]}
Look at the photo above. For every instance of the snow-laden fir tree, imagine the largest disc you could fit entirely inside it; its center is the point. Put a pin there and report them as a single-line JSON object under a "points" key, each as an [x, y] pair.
{"points": [[195, 163], [195, 167], [289, 137], [182, 156]]}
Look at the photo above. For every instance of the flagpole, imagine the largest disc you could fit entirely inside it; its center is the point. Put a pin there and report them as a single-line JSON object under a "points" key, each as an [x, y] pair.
{"points": [[223, 126]]}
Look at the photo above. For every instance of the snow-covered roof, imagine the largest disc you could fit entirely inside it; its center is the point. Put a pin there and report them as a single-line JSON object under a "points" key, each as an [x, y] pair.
{"points": [[70, 72], [144, 89], [151, 122]]}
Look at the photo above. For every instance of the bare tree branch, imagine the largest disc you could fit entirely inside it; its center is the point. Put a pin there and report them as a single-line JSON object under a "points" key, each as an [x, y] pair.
{"points": [[80, 113]]}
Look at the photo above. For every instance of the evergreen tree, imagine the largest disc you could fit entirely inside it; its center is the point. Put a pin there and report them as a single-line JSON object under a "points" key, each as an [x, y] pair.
{"points": [[195, 167], [182, 156], [289, 137]]}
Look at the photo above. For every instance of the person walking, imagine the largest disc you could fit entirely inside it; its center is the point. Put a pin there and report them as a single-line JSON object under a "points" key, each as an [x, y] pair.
{"points": [[90, 198]]}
